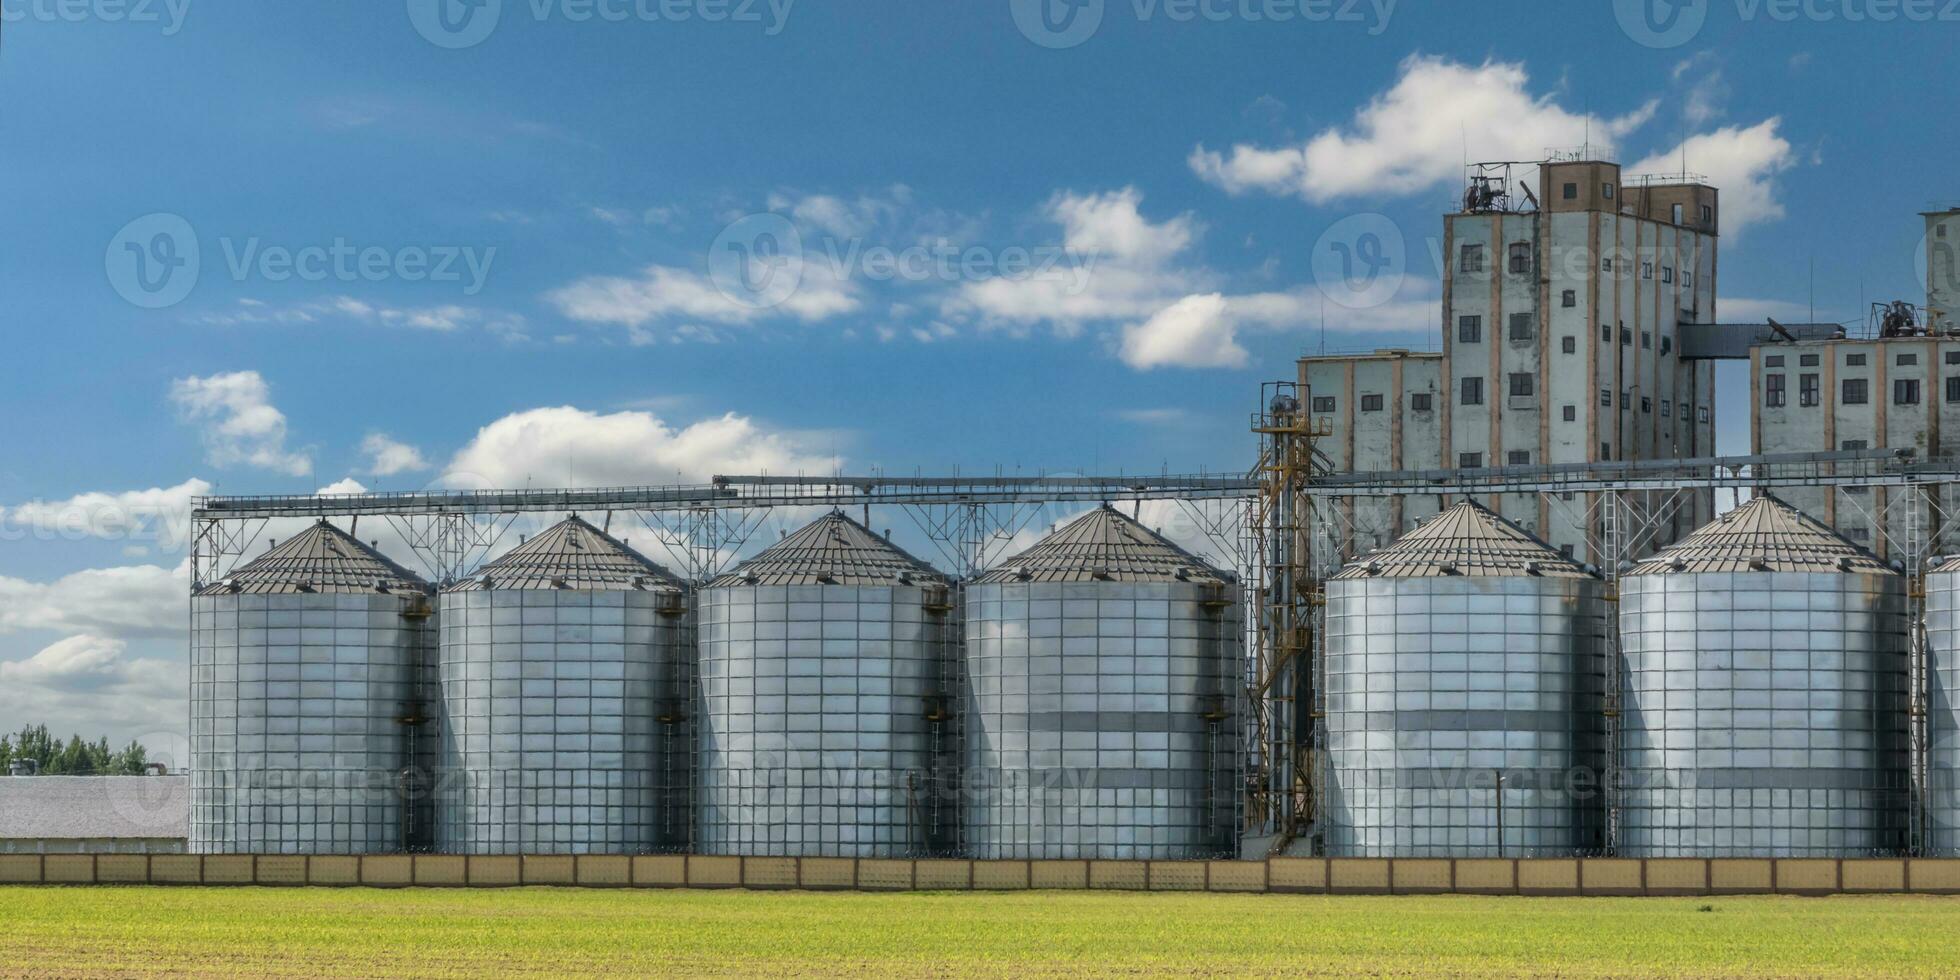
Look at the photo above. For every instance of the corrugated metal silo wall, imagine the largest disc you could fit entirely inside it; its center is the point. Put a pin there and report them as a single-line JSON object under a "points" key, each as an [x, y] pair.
{"points": [[1102, 720], [1943, 712], [1765, 715], [815, 738], [296, 741], [1436, 688], [560, 722]]}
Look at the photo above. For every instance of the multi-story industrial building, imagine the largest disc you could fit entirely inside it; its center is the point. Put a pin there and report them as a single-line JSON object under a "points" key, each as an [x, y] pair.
{"points": [[1561, 343]]}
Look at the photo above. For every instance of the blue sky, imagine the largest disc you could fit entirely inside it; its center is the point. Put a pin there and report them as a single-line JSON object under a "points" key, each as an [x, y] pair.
{"points": [[1174, 173]]}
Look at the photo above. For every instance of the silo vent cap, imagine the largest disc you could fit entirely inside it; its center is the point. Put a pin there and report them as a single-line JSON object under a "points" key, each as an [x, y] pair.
{"points": [[1678, 564]]}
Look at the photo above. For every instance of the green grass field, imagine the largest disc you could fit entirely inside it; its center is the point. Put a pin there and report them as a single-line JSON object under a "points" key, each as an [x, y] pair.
{"points": [[84, 932]]}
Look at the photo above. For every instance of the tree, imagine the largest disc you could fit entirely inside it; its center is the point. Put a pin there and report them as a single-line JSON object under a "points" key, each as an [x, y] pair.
{"points": [[74, 757]]}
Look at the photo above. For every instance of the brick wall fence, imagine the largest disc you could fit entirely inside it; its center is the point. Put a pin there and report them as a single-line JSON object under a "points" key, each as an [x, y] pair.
{"points": [[1338, 876]]}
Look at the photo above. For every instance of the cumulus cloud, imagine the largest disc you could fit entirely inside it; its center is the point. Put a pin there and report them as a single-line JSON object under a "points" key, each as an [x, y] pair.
{"points": [[1118, 264], [1196, 332], [572, 447], [88, 683], [119, 603], [241, 426], [389, 457], [160, 515], [1742, 162], [1413, 136]]}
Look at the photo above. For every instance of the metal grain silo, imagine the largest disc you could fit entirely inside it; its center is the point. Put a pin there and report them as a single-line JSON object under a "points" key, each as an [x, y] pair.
{"points": [[1103, 669], [1942, 672], [565, 667], [825, 666], [1764, 694], [305, 689], [1465, 682]]}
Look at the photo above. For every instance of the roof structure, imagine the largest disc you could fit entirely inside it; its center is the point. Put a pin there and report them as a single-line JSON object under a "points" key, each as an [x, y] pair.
{"points": [[575, 556], [1103, 546], [94, 807], [322, 559], [834, 550], [1764, 535], [1467, 540]]}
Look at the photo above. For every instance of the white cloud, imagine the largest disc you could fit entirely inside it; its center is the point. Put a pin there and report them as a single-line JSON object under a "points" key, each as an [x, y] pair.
{"points": [[1706, 90], [572, 447], [1116, 264], [845, 218], [447, 318], [241, 426], [1194, 332], [90, 684], [119, 603], [1415, 136], [665, 293], [389, 457], [1742, 163], [159, 514]]}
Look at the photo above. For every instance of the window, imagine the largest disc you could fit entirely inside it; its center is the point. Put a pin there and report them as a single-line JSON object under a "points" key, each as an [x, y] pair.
{"points": [[1626, 336], [1371, 403], [1857, 533], [1606, 265], [1646, 340], [1773, 390], [1472, 392], [1667, 274], [1569, 298], [1667, 408], [1469, 461], [1520, 258], [1606, 332], [1606, 191], [1687, 279], [1521, 385], [1519, 457], [1809, 390], [1708, 214], [1568, 345], [1857, 391], [1565, 550], [1905, 391], [1570, 192], [1323, 404], [1773, 360], [1853, 445], [1605, 398], [1422, 402], [1906, 360], [1521, 326], [1667, 345], [1808, 360], [1953, 388], [1472, 260], [1646, 405], [1469, 329], [1701, 414], [1646, 270], [1677, 214], [1953, 357], [1854, 360], [1572, 413], [1605, 450]]}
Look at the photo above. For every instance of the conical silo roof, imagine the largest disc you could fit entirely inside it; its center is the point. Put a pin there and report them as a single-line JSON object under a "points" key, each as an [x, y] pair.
{"points": [[1763, 535], [323, 559], [834, 550], [1468, 540], [571, 555], [1103, 546]]}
